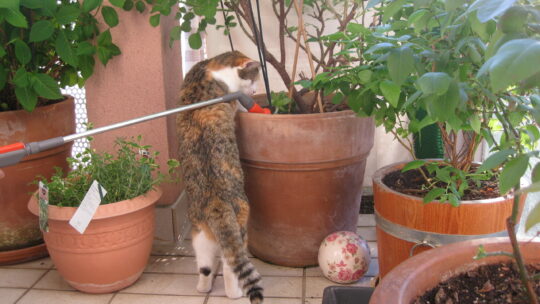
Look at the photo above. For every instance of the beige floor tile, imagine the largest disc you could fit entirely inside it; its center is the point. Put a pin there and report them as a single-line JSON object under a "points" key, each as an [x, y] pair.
{"points": [[44, 263], [314, 271], [10, 295], [25, 278], [183, 249], [366, 220], [315, 285], [172, 264], [124, 298], [53, 280], [367, 233], [244, 300], [63, 297], [165, 284], [266, 269], [313, 301], [278, 287]]}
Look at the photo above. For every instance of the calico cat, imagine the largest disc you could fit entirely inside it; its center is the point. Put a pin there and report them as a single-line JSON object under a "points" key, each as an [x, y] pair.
{"points": [[213, 175]]}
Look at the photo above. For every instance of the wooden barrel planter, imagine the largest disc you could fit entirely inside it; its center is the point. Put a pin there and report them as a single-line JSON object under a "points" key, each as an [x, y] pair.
{"points": [[303, 178], [20, 237], [406, 226]]}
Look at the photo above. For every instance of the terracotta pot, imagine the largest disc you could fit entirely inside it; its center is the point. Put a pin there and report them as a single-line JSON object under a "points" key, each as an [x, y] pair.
{"points": [[303, 176], [405, 225], [424, 271], [19, 230], [113, 251]]}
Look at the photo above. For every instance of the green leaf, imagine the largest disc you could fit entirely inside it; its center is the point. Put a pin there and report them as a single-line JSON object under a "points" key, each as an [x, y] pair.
{"points": [[90, 5], [390, 10], [85, 48], [27, 98], [489, 9], [140, 6], [533, 218], [391, 92], [379, 46], [452, 5], [14, 17], [67, 14], [475, 123], [45, 86], [535, 174], [104, 38], [415, 164], [110, 16], [118, 3], [365, 76], [444, 106], [433, 194], [512, 63], [400, 64], [65, 50], [512, 173], [195, 41], [357, 28], [495, 160], [21, 78], [22, 52], [434, 83], [154, 20], [33, 4], [41, 30]]}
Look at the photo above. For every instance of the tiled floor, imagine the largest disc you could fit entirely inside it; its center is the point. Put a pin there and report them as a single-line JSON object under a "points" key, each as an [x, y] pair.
{"points": [[171, 278]]}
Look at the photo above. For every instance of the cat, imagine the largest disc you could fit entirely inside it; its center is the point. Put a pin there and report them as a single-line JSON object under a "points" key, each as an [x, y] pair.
{"points": [[213, 175]]}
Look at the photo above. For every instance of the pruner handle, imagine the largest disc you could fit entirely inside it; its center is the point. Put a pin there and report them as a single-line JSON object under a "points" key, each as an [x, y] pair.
{"points": [[14, 153]]}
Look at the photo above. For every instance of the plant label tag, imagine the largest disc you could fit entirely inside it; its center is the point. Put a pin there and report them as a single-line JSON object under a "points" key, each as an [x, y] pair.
{"points": [[82, 217], [43, 199]]}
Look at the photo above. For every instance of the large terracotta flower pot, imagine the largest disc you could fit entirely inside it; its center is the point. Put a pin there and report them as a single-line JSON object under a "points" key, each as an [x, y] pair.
{"points": [[424, 271], [20, 238], [113, 251], [303, 179], [406, 226]]}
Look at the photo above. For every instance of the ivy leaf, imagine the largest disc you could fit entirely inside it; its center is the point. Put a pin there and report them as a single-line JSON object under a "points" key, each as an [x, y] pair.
{"points": [[41, 30], [512, 63], [65, 50], [533, 218], [110, 16], [400, 64], [433, 194], [391, 92], [89, 5], [27, 98], [195, 41], [415, 164], [434, 83], [22, 52], [14, 17], [45, 86], [512, 173]]}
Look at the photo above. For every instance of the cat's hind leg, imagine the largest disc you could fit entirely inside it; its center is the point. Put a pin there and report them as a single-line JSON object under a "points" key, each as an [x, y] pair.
{"points": [[206, 248], [232, 288]]}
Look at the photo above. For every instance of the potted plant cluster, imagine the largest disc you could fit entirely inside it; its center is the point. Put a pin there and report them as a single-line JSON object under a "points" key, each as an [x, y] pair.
{"points": [[44, 46], [316, 158], [113, 250], [468, 66]]}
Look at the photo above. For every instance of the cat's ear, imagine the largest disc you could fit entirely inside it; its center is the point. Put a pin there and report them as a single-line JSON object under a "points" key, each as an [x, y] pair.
{"points": [[252, 65]]}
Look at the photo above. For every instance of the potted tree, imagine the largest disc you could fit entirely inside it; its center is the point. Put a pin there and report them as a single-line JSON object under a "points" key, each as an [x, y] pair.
{"points": [[316, 158], [45, 45], [113, 250], [466, 65]]}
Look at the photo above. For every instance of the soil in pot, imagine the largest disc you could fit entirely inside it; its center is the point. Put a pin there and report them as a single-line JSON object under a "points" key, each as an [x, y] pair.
{"points": [[412, 182], [492, 283]]}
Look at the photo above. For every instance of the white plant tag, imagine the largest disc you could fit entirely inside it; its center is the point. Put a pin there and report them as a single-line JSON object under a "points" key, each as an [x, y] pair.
{"points": [[88, 207], [43, 199]]}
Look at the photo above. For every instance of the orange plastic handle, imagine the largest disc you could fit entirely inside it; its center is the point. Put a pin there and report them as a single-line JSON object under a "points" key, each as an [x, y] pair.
{"points": [[12, 147], [258, 109]]}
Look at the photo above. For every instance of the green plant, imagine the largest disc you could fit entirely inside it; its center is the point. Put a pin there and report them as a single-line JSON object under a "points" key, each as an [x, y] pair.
{"points": [[48, 44], [132, 172]]}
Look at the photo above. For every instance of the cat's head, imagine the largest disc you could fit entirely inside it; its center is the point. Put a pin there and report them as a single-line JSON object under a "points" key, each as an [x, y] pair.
{"points": [[236, 71]]}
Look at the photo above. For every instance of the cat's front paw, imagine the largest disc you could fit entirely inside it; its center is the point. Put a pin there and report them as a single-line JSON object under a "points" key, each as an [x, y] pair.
{"points": [[235, 293]]}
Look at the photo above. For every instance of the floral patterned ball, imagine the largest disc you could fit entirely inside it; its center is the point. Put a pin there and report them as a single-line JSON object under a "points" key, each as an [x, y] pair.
{"points": [[344, 257]]}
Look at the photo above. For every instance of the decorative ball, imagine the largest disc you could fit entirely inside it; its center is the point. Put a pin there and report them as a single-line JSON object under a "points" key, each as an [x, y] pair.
{"points": [[344, 257]]}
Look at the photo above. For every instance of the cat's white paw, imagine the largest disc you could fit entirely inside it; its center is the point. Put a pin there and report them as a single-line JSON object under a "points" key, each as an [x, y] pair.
{"points": [[235, 293], [204, 285]]}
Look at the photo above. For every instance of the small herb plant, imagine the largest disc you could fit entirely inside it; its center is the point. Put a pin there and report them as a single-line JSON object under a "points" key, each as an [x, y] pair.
{"points": [[132, 172]]}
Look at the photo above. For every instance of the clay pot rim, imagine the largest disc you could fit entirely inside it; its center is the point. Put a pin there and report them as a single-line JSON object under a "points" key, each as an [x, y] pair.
{"points": [[325, 115], [67, 98], [382, 172], [399, 280], [103, 211]]}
